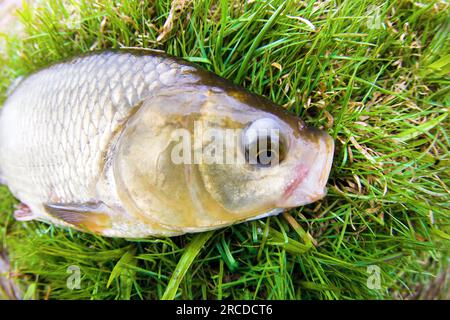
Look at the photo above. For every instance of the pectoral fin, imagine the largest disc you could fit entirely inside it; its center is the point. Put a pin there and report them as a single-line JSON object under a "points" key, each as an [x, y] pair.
{"points": [[91, 216], [23, 212]]}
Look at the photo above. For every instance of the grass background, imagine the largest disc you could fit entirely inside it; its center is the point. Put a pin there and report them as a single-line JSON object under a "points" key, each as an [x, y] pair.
{"points": [[375, 74]]}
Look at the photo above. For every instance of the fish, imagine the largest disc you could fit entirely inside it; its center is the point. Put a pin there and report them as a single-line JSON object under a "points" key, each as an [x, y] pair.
{"points": [[138, 143]]}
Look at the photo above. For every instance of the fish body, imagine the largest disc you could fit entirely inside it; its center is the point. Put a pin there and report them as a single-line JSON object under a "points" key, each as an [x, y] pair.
{"points": [[94, 143]]}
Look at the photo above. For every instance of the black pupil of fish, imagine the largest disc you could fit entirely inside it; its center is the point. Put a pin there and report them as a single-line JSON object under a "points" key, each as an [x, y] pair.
{"points": [[267, 152]]}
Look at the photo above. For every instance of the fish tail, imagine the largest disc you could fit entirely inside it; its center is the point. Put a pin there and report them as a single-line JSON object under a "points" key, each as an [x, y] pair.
{"points": [[8, 288]]}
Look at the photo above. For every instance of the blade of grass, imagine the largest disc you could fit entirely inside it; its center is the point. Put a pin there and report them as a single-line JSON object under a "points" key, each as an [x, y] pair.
{"points": [[192, 250]]}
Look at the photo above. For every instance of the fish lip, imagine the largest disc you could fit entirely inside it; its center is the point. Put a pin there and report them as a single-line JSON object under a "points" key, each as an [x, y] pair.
{"points": [[323, 161], [301, 172], [329, 151]]}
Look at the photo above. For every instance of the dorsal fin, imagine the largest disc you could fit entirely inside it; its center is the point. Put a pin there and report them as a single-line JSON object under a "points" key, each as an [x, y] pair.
{"points": [[90, 216]]}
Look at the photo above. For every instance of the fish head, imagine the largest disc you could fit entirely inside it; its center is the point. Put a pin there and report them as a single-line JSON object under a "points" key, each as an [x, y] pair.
{"points": [[195, 158], [278, 161]]}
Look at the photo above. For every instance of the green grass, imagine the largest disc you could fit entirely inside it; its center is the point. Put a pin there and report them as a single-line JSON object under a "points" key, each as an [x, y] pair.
{"points": [[379, 86]]}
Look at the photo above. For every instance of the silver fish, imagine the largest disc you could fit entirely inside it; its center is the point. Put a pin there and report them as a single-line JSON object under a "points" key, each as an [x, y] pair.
{"points": [[89, 143]]}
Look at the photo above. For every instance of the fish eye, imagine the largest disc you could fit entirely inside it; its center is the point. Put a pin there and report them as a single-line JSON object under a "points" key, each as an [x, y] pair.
{"points": [[263, 143]]}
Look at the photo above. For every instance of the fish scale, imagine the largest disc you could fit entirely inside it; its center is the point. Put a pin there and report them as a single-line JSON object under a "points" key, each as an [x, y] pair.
{"points": [[57, 124]]}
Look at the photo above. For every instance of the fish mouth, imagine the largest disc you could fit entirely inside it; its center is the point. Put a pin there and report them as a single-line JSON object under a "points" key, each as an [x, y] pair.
{"points": [[300, 173], [309, 180]]}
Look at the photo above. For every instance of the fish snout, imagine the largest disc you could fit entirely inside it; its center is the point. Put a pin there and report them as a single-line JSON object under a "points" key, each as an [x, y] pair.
{"points": [[309, 177]]}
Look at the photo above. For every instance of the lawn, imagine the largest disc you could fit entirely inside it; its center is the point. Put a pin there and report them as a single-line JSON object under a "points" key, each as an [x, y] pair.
{"points": [[374, 74]]}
